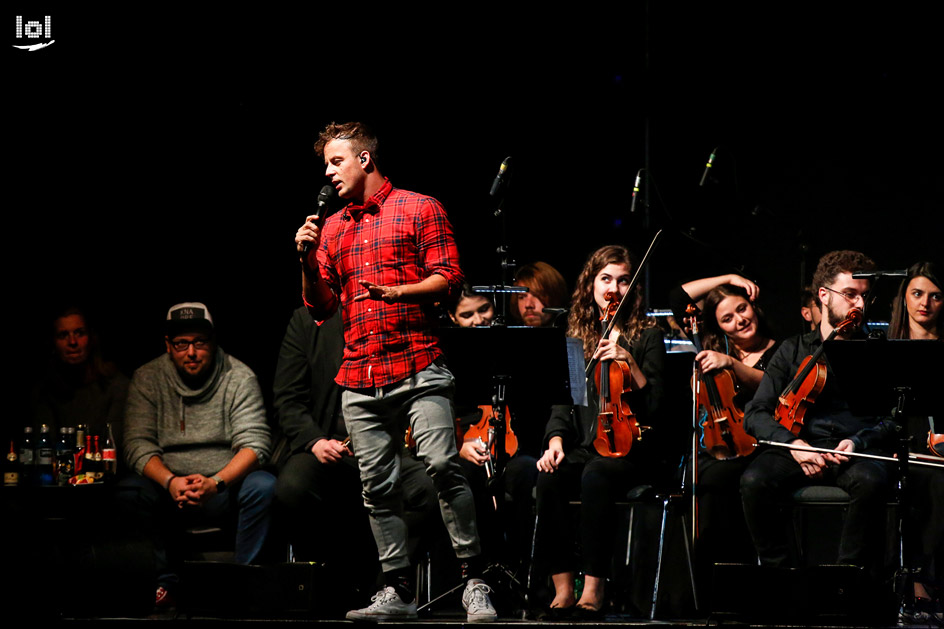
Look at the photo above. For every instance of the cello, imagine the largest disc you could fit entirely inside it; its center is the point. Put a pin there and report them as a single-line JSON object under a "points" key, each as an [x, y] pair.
{"points": [[809, 381], [617, 427], [722, 423]]}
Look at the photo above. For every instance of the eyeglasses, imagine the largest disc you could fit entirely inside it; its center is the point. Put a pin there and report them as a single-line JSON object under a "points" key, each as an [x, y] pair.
{"points": [[850, 296], [181, 345]]}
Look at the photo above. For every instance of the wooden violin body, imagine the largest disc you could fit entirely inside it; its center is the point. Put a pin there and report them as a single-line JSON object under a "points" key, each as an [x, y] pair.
{"points": [[797, 398], [936, 443], [722, 422], [617, 427], [485, 431], [809, 381]]}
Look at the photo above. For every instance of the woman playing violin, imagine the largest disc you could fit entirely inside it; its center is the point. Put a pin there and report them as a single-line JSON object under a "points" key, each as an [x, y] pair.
{"points": [[571, 466], [917, 314], [737, 337]]}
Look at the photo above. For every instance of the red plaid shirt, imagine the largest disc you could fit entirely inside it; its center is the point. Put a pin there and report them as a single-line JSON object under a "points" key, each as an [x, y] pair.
{"points": [[397, 237]]}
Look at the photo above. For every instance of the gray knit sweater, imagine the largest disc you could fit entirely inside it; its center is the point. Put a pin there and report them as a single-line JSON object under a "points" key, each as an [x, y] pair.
{"points": [[194, 431]]}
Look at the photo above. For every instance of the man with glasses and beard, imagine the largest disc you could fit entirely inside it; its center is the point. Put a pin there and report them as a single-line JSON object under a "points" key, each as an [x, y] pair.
{"points": [[196, 434], [768, 483]]}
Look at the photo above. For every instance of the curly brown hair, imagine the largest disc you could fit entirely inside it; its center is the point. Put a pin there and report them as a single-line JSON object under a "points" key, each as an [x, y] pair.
{"points": [[584, 320], [361, 136], [836, 262]]}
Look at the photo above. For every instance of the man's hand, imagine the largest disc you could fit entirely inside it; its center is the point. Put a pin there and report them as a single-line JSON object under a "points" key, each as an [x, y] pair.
{"points": [[308, 233], [845, 445], [389, 294], [196, 490], [474, 451], [813, 463], [552, 457], [177, 487], [330, 451]]}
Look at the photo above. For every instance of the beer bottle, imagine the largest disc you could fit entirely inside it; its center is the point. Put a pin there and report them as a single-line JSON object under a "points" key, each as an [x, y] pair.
{"points": [[11, 467]]}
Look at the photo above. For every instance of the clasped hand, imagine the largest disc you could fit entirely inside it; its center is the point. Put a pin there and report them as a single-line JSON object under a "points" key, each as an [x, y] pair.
{"points": [[814, 463], [192, 490]]}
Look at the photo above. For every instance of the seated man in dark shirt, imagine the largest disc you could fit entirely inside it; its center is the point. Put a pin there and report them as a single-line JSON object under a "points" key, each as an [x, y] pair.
{"points": [[318, 491], [829, 423]]}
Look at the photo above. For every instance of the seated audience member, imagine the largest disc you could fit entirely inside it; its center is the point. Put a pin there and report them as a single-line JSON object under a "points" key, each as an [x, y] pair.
{"points": [[79, 386], [546, 289], [318, 491], [196, 434]]}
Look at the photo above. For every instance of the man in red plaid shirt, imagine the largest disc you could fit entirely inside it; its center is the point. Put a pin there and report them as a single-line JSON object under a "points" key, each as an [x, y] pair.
{"points": [[384, 260]]}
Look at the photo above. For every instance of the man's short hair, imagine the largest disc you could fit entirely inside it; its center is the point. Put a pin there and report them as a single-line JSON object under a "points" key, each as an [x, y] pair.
{"points": [[360, 135], [836, 262]]}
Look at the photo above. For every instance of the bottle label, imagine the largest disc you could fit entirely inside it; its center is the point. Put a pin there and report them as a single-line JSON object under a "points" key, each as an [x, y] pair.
{"points": [[109, 455], [44, 456], [11, 479]]}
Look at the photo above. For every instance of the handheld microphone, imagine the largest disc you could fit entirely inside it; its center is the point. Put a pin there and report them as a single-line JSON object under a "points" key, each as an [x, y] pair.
{"points": [[503, 173], [324, 198]]}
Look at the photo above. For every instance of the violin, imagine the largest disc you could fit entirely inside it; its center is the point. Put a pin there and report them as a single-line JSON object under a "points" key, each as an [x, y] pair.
{"points": [[809, 381], [722, 422], [485, 431], [936, 444], [617, 427]]}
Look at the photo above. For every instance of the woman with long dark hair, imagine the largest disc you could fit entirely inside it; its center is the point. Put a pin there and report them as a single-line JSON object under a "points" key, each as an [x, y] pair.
{"points": [[570, 466], [917, 314], [735, 336]]}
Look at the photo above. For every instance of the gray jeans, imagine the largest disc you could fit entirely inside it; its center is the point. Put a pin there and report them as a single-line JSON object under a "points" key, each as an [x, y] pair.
{"points": [[376, 419]]}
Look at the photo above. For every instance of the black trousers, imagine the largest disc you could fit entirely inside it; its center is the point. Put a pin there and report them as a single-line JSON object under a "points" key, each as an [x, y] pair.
{"points": [[598, 482], [770, 480]]}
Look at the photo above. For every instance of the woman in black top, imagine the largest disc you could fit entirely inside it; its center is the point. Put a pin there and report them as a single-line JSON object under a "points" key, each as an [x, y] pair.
{"points": [[918, 313], [735, 336], [570, 466]]}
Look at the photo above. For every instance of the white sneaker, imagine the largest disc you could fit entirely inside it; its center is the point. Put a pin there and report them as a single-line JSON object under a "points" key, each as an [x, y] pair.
{"points": [[476, 602], [385, 605]]}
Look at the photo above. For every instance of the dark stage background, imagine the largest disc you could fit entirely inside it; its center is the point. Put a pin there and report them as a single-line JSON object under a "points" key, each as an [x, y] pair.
{"points": [[160, 156]]}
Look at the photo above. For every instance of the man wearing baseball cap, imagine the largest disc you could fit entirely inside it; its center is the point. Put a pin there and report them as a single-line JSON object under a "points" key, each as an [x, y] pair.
{"points": [[196, 433]]}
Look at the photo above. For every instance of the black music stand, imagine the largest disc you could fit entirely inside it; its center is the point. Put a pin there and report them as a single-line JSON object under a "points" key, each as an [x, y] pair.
{"points": [[877, 376], [505, 365]]}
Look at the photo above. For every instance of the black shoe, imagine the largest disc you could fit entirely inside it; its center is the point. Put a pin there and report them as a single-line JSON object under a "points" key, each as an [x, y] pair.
{"points": [[555, 614], [586, 614]]}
